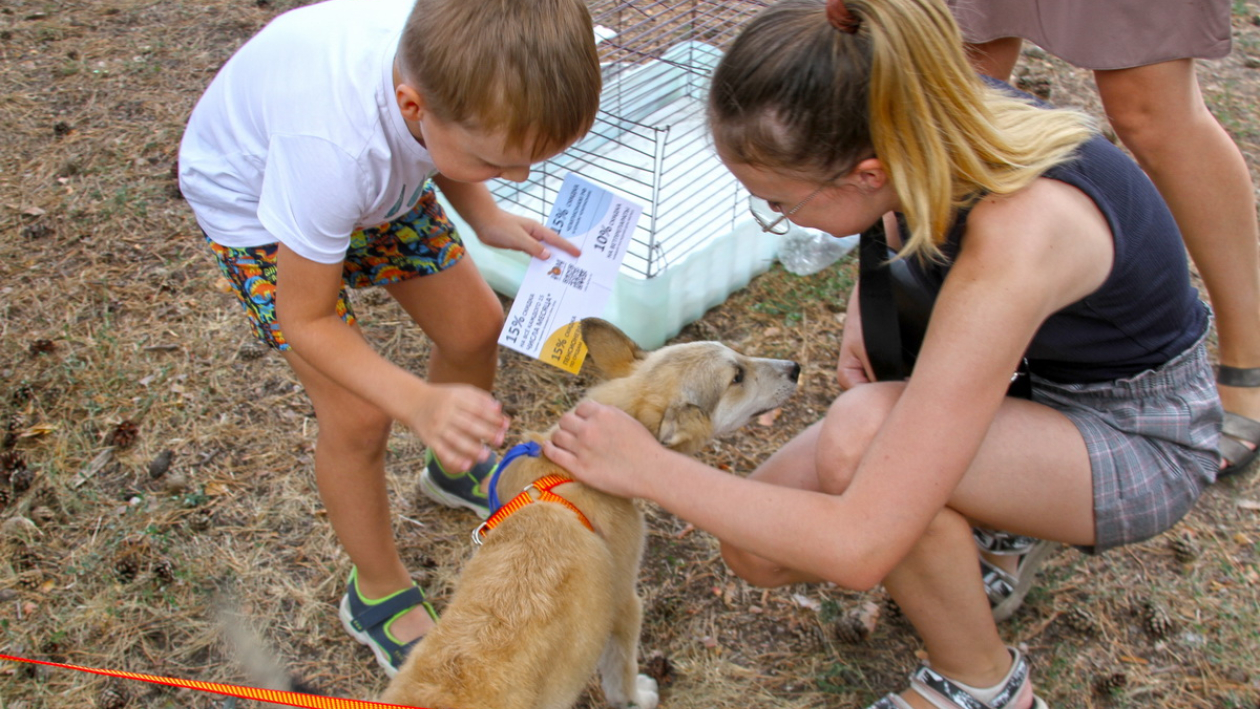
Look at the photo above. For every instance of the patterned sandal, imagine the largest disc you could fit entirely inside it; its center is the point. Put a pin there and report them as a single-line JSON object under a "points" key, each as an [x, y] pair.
{"points": [[1240, 436], [1005, 590], [368, 621], [1013, 692]]}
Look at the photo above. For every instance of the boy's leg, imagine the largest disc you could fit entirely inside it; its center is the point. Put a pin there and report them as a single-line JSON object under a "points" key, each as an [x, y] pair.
{"points": [[462, 316], [350, 474], [1159, 114]]}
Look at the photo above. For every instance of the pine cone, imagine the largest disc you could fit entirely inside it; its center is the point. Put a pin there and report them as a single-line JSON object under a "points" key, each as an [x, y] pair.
{"points": [[54, 651], [858, 624], [127, 568], [659, 668], [163, 569], [21, 480], [112, 697], [1109, 684], [849, 630], [252, 350], [123, 435], [25, 558], [201, 519], [1156, 620], [30, 580], [41, 346], [1081, 620], [5, 496], [11, 461], [21, 395], [1185, 549]]}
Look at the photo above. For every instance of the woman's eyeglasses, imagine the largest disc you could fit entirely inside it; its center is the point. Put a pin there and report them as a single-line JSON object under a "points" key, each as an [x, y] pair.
{"points": [[780, 225]]}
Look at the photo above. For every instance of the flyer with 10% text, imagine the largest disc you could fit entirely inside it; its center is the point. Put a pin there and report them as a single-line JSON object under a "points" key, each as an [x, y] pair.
{"points": [[557, 293]]}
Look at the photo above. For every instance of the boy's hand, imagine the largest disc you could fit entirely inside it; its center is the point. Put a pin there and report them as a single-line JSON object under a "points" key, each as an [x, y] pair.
{"points": [[459, 423], [497, 228], [510, 231]]}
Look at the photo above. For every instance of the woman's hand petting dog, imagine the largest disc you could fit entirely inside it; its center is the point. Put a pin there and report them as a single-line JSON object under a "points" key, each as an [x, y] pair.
{"points": [[607, 449]]}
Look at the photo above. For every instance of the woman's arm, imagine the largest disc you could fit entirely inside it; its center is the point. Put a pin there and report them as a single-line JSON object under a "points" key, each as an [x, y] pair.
{"points": [[1025, 257]]}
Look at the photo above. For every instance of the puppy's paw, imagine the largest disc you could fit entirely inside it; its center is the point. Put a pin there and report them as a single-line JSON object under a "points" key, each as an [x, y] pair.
{"points": [[646, 694]]}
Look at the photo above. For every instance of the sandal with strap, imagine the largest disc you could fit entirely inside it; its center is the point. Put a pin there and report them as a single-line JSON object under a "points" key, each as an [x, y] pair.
{"points": [[1006, 590], [1240, 436], [1013, 692], [368, 621]]}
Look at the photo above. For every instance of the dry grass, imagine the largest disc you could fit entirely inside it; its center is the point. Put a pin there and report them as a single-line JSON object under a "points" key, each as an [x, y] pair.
{"points": [[116, 348]]}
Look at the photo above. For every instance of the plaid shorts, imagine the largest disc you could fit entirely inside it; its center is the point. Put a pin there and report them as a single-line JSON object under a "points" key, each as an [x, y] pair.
{"points": [[419, 243], [1152, 443]]}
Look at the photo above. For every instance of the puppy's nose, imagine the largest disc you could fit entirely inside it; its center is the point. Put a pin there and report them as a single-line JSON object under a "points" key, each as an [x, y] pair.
{"points": [[795, 373]]}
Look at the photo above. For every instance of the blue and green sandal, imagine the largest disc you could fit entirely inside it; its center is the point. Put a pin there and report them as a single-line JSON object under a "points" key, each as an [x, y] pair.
{"points": [[368, 621], [464, 489]]}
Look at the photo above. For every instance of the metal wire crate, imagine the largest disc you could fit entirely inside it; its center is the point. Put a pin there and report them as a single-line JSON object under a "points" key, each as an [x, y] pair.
{"points": [[695, 243], [649, 141]]}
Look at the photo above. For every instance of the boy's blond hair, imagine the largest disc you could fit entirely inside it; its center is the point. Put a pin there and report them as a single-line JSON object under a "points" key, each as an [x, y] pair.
{"points": [[525, 68], [798, 95]]}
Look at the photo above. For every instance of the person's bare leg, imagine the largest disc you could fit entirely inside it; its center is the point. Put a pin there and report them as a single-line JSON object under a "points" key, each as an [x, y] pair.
{"points": [[1158, 112], [350, 473], [938, 588], [995, 58], [1031, 475], [462, 317]]}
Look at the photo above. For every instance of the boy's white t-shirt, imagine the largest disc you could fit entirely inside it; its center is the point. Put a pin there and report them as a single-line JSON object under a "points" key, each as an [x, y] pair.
{"points": [[299, 138]]}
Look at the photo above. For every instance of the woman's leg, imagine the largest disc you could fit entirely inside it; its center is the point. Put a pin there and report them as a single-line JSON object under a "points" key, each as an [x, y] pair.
{"points": [[350, 474], [1032, 476], [1159, 114], [995, 58]]}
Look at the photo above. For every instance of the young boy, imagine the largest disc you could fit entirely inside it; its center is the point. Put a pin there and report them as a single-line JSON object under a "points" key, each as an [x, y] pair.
{"points": [[308, 163]]}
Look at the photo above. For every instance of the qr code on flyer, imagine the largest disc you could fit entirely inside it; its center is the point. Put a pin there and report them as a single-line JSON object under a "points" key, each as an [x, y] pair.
{"points": [[574, 277]]}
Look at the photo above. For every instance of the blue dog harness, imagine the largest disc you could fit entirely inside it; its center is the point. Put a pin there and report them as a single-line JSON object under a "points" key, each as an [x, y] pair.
{"points": [[531, 449]]}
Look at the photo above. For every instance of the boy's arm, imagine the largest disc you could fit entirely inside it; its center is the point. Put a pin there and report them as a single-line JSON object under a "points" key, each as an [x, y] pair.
{"points": [[456, 421], [495, 227]]}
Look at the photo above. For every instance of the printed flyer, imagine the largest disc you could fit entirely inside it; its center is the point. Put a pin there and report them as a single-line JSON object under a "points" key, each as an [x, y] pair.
{"points": [[556, 294]]}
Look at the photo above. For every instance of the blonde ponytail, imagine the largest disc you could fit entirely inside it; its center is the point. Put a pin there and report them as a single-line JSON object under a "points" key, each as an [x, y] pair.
{"points": [[944, 136]]}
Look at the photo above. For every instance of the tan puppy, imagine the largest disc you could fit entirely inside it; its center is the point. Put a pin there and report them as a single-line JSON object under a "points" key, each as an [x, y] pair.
{"points": [[545, 600]]}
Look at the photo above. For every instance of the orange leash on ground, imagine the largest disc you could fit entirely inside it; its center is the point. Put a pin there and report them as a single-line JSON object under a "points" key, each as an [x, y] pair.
{"points": [[293, 699]]}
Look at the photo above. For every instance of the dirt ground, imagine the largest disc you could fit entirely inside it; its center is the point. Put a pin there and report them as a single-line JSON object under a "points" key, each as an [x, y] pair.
{"points": [[157, 502]]}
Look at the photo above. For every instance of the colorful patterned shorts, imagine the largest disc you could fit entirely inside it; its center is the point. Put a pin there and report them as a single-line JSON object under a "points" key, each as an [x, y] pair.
{"points": [[419, 243]]}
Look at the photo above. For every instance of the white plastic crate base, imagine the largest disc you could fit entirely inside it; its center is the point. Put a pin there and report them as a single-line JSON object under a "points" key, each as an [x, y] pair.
{"points": [[651, 310]]}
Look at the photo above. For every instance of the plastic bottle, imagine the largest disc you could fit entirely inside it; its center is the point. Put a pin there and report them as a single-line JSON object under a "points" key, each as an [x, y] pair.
{"points": [[807, 251]]}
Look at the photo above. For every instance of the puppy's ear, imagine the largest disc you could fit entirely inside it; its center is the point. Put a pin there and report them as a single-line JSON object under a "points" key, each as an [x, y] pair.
{"points": [[611, 350], [685, 428]]}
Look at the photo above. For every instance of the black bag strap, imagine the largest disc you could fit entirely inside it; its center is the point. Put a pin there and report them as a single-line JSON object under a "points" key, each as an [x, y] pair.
{"points": [[880, 329], [881, 324]]}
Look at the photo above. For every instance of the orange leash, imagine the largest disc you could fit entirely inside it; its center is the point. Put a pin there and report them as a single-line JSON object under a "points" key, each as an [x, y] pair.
{"points": [[292, 699], [543, 487]]}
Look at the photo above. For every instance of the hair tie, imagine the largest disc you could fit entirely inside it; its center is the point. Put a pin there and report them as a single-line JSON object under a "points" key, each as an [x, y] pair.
{"points": [[839, 16]]}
